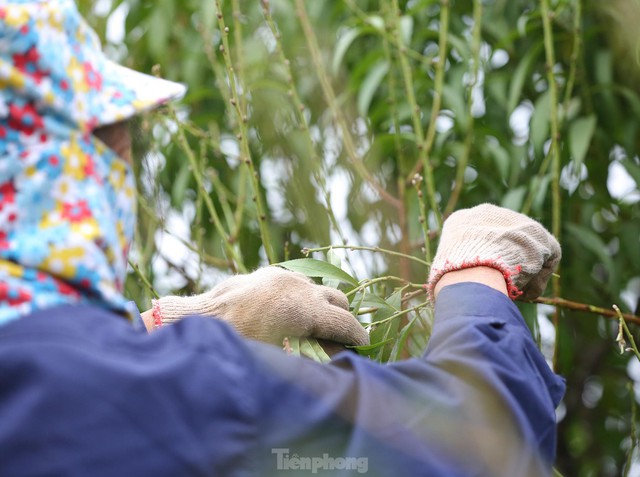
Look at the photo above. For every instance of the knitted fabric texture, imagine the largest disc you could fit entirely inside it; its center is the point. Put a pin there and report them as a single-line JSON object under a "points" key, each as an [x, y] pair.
{"points": [[486, 235], [269, 305]]}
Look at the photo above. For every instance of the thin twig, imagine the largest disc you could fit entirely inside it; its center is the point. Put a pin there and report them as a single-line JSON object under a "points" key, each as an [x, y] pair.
{"points": [[144, 279], [405, 244], [554, 152], [334, 107], [307, 251], [365, 18], [368, 283], [242, 136], [623, 326], [423, 219], [399, 314], [424, 163], [315, 161], [575, 55], [634, 434], [468, 141], [576, 306], [235, 261]]}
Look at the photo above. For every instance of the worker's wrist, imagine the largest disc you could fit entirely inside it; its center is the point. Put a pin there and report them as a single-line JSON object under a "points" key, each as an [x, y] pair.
{"points": [[490, 277]]}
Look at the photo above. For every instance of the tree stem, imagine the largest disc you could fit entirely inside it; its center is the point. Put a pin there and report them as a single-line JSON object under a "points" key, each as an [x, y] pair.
{"points": [[556, 197]]}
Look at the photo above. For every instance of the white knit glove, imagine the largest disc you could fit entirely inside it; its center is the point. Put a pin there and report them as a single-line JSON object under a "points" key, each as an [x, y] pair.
{"points": [[490, 236], [270, 304]]}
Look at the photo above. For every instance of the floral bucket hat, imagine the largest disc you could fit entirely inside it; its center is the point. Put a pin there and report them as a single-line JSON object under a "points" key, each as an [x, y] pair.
{"points": [[67, 201]]}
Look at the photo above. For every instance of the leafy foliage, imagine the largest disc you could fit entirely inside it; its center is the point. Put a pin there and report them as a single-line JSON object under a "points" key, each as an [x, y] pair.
{"points": [[363, 124]]}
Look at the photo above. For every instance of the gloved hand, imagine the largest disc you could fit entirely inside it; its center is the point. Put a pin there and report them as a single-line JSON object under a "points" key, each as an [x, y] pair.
{"points": [[490, 236], [270, 304]]}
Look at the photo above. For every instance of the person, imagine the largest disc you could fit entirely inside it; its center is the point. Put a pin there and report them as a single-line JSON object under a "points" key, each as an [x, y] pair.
{"points": [[85, 390]]}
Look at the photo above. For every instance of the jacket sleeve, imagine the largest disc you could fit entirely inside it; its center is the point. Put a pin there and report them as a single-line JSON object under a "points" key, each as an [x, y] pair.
{"points": [[480, 401]]}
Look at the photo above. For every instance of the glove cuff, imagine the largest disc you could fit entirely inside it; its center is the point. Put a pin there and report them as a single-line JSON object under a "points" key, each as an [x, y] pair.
{"points": [[509, 274], [156, 312]]}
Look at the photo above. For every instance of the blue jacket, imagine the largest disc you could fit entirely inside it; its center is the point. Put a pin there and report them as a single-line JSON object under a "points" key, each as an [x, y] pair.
{"points": [[82, 393]]}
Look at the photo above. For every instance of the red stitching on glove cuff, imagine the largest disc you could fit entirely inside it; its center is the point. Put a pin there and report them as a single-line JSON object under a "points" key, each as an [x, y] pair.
{"points": [[508, 274], [157, 314]]}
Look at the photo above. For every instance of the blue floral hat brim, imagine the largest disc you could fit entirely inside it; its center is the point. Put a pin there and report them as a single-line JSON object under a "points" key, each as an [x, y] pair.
{"points": [[52, 60]]}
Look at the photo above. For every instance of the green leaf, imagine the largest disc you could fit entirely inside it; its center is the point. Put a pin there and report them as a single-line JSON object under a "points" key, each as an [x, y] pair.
{"points": [[501, 158], [633, 169], [529, 312], [208, 12], [180, 184], [453, 97], [318, 269], [591, 241], [335, 260], [370, 85], [159, 27], [460, 45], [370, 350], [580, 134], [398, 346], [514, 198], [343, 44], [520, 76], [540, 186], [372, 300], [557, 473], [389, 330], [540, 121], [294, 344], [376, 21], [311, 349], [406, 29]]}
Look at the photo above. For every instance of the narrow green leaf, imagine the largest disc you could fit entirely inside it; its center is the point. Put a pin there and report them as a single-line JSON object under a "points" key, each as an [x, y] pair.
{"points": [[318, 269], [460, 45], [529, 312], [160, 27], [371, 300], [398, 346], [180, 184], [376, 21], [406, 29], [320, 352], [591, 241], [312, 349], [389, 330], [367, 350], [633, 169], [370, 85], [208, 14], [294, 344], [343, 44], [335, 260], [540, 186], [514, 198], [580, 134], [520, 76], [522, 24], [501, 158], [540, 122], [453, 98]]}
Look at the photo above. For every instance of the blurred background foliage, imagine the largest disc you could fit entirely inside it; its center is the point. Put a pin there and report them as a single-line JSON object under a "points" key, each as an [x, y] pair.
{"points": [[311, 124]]}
